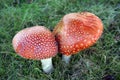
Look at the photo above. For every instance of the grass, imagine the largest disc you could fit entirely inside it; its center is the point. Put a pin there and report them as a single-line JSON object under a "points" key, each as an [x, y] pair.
{"points": [[94, 63]]}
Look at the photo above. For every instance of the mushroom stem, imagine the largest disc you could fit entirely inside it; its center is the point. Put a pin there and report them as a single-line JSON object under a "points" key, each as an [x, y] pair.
{"points": [[66, 58], [47, 65]]}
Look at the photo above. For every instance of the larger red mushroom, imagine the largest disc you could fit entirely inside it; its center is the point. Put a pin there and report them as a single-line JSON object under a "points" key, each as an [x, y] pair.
{"points": [[76, 32], [36, 43]]}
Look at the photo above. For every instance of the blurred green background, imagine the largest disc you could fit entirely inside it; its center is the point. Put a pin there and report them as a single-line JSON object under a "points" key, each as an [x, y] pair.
{"points": [[95, 63]]}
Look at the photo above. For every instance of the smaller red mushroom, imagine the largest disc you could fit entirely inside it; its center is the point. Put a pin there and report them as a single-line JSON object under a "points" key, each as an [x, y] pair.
{"points": [[36, 43], [76, 32]]}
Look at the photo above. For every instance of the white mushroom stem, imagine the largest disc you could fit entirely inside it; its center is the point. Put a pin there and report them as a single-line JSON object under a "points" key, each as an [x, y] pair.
{"points": [[47, 65], [66, 58]]}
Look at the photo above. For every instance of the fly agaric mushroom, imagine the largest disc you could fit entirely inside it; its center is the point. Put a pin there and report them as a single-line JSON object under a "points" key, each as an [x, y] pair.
{"points": [[36, 43], [76, 32]]}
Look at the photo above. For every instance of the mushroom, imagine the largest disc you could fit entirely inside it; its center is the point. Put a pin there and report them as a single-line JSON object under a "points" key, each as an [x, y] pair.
{"points": [[36, 43], [76, 32]]}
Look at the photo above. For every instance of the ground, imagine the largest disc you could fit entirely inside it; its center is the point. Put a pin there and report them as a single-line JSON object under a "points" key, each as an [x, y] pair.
{"points": [[98, 62]]}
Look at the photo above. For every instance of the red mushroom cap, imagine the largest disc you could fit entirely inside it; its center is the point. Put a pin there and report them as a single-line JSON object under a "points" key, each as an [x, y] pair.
{"points": [[77, 31], [35, 43]]}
